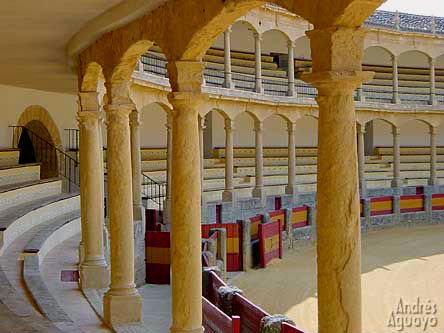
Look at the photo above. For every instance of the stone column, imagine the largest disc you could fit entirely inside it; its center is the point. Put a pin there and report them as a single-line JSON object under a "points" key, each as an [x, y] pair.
{"points": [[136, 165], [396, 99], [432, 82], [361, 161], [291, 90], [201, 150], [291, 187], [228, 83], [336, 74], [122, 302], [396, 182], [228, 195], [94, 272], [167, 202], [433, 181], [258, 191], [186, 264], [258, 53], [361, 96]]}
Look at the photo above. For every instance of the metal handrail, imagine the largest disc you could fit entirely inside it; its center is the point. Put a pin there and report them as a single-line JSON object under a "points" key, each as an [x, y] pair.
{"points": [[73, 135], [48, 154], [153, 190]]}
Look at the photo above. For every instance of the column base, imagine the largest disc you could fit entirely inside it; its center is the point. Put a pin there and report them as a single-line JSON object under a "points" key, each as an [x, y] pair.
{"points": [[433, 182], [81, 252], [228, 196], [122, 309], [291, 189], [396, 101], [396, 183], [94, 276], [183, 330], [228, 84], [258, 192], [138, 213]]}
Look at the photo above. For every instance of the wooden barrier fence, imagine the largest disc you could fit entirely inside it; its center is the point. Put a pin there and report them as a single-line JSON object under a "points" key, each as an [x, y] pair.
{"points": [[438, 201], [234, 243], [299, 217], [270, 241], [278, 215], [381, 206], [250, 314], [216, 321], [288, 328], [412, 203], [157, 257], [254, 226]]}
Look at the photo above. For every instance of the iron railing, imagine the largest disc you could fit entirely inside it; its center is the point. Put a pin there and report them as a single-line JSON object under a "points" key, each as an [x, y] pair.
{"points": [[54, 162], [153, 191], [72, 139]]}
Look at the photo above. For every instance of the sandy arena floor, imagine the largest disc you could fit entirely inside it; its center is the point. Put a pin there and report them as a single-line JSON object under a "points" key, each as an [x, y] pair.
{"points": [[399, 266]]}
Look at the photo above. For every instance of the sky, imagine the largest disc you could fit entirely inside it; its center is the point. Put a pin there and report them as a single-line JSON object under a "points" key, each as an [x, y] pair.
{"points": [[424, 7]]}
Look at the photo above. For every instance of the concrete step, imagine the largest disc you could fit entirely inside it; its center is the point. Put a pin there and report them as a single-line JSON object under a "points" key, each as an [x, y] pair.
{"points": [[19, 173]]}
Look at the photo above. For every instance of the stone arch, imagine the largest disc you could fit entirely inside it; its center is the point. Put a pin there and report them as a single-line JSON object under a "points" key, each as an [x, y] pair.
{"points": [[250, 25], [38, 113], [421, 61], [382, 54]]}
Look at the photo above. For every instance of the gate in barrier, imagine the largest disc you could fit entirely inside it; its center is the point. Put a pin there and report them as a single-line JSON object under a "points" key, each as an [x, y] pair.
{"points": [[157, 257], [234, 243], [270, 241]]}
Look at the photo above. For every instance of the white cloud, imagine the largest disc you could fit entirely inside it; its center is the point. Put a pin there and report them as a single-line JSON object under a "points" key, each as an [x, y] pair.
{"points": [[424, 7]]}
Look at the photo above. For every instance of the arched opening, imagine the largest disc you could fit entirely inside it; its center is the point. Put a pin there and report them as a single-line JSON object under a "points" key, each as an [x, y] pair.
{"points": [[36, 146]]}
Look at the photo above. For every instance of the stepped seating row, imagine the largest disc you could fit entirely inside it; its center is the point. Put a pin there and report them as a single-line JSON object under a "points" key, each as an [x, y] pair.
{"points": [[35, 216], [413, 82], [9, 157]]}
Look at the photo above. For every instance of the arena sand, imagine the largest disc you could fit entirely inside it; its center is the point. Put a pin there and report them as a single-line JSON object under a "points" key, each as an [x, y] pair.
{"points": [[399, 267]]}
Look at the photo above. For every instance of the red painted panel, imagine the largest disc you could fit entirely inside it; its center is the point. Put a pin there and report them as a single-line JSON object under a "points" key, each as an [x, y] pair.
{"points": [[151, 219], [214, 320], [266, 231], [437, 206], [277, 203], [159, 243], [250, 314], [288, 328]]}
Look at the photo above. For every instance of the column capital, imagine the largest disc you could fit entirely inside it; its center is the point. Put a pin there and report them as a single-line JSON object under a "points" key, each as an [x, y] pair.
{"points": [[229, 124], [257, 36], [432, 61], [134, 118], [290, 43], [117, 113], [291, 127], [258, 125], [88, 119], [360, 129], [186, 100], [336, 82], [432, 130], [186, 76], [89, 101], [202, 123], [228, 30], [395, 131]]}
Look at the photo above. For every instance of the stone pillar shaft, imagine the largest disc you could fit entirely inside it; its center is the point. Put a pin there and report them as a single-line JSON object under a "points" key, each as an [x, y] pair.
{"points": [[361, 161], [167, 202], [396, 99], [291, 90], [258, 191], [93, 270], [228, 194], [122, 302], [291, 187], [258, 56], [433, 165], [201, 149], [228, 82], [337, 72], [432, 82], [136, 165], [186, 264], [396, 183]]}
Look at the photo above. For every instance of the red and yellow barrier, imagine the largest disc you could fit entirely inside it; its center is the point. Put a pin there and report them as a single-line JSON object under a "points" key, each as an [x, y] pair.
{"points": [[381, 206], [234, 243], [270, 241], [254, 226], [412, 203], [157, 257], [278, 215], [299, 217], [438, 202]]}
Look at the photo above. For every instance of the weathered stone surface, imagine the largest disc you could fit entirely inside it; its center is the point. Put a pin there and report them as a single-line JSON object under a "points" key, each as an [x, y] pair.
{"points": [[272, 324]]}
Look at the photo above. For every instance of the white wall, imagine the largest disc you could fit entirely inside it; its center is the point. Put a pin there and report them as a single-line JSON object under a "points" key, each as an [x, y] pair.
{"points": [[13, 101], [307, 132], [153, 131]]}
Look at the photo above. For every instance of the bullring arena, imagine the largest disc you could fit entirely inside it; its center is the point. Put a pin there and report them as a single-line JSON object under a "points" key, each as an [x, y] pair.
{"points": [[221, 166]]}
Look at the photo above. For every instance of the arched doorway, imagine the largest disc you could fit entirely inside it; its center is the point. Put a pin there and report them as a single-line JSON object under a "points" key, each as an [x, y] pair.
{"points": [[38, 140]]}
